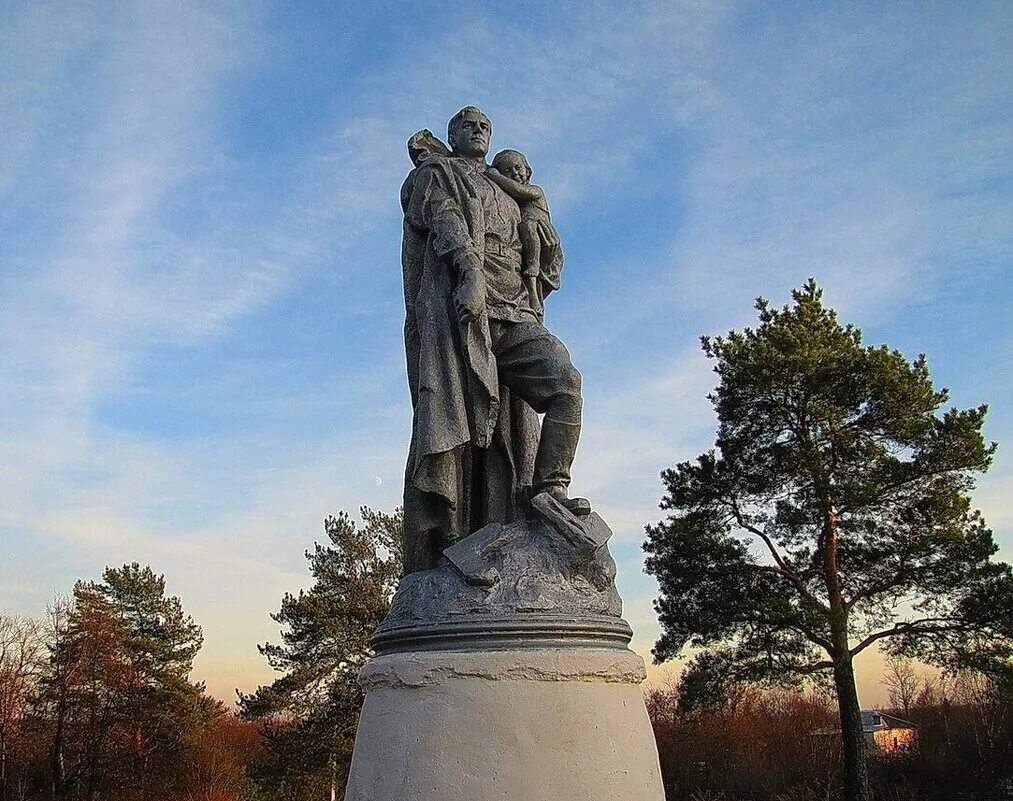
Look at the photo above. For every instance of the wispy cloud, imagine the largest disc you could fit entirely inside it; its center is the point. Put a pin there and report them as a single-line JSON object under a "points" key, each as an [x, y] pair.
{"points": [[159, 260]]}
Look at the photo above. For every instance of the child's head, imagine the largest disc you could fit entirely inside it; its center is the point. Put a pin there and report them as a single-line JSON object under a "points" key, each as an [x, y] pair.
{"points": [[513, 165]]}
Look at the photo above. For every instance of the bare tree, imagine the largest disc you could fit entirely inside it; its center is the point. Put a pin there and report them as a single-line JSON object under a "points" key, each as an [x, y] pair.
{"points": [[21, 648], [902, 683]]}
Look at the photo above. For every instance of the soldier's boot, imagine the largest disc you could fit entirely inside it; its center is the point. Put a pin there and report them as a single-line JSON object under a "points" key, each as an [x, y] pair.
{"points": [[556, 449]]}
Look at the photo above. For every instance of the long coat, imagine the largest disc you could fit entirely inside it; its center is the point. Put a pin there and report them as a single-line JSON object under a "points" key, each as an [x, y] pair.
{"points": [[472, 450]]}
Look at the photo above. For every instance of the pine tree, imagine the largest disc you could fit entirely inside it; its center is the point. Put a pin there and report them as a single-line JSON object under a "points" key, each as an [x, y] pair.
{"points": [[311, 711], [834, 513], [117, 687]]}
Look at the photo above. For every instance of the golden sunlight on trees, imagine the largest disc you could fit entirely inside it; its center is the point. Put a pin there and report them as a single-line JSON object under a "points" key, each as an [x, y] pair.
{"points": [[22, 645], [784, 745], [98, 704], [833, 513]]}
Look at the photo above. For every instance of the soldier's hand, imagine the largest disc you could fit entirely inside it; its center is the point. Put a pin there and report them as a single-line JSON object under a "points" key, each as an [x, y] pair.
{"points": [[470, 296]]}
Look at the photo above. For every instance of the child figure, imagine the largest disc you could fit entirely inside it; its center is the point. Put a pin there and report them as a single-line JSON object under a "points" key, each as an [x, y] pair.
{"points": [[542, 255]]}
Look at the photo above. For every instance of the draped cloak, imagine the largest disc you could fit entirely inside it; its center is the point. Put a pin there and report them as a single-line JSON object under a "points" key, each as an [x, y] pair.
{"points": [[473, 446]]}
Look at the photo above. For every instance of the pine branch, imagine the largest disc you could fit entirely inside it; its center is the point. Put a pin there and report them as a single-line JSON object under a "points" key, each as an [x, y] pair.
{"points": [[912, 627], [782, 564]]}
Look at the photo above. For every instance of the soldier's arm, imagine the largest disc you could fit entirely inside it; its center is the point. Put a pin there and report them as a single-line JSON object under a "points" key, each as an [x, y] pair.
{"points": [[432, 206], [436, 208]]}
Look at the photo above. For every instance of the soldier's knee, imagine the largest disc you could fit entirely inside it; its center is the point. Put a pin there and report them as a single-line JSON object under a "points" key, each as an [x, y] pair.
{"points": [[567, 400], [570, 379], [566, 405]]}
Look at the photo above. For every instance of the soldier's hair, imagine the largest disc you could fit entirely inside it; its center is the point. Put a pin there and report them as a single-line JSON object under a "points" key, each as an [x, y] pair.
{"points": [[505, 154], [452, 125]]}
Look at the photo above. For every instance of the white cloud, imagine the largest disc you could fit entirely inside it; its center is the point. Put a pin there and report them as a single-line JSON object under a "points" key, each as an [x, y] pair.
{"points": [[36, 44], [154, 234]]}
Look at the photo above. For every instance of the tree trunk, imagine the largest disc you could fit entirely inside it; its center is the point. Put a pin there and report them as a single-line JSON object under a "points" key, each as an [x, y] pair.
{"points": [[59, 777], [856, 772]]}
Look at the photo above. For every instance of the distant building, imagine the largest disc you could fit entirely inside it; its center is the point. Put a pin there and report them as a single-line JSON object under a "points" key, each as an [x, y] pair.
{"points": [[885, 733]]}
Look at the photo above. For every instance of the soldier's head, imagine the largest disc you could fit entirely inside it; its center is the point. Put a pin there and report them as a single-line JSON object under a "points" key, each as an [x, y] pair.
{"points": [[469, 132]]}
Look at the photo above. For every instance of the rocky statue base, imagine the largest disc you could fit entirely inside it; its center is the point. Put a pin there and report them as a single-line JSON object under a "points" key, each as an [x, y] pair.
{"points": [[505, 673]]}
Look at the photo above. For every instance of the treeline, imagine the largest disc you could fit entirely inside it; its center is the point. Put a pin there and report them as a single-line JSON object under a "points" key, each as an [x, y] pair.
{"points": [[776, 745], [96, 701]]}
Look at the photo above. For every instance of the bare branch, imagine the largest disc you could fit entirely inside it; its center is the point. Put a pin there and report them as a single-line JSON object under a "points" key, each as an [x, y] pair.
{"points": [[873, 589], [815, 667], [743, 522]]}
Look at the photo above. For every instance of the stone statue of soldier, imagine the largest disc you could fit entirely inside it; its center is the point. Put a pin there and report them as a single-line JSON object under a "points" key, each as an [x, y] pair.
{"points": [[507, 628], [481, 364]]}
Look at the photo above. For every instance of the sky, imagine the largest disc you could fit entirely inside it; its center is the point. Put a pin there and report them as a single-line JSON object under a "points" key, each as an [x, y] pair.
{"points": [[200, 298]]}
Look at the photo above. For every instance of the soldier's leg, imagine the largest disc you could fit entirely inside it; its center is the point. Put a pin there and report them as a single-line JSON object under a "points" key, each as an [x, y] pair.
{"points": [[533, 363]]}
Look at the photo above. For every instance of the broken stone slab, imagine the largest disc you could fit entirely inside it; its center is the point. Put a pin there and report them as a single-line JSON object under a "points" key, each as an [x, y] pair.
{"points": [[557, 540], [527, 577], [585, 533], [471, 555]]}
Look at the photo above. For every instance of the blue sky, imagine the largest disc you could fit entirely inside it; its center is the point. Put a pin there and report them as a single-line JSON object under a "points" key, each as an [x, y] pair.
{"points": [[200, 300]]}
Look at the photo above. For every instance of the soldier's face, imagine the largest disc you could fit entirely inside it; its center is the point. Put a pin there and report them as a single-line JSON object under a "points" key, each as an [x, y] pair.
{"points": [[472, 135]]}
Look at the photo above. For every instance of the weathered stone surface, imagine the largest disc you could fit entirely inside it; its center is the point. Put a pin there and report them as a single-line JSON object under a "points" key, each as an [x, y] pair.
{"points": [[502, 571], [479, 256], [526, 584], [583, 531], [419, 669], [528, 726]]}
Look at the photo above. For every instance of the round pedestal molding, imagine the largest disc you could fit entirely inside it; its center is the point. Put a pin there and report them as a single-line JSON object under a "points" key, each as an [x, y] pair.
{"points": [[525, 724]]}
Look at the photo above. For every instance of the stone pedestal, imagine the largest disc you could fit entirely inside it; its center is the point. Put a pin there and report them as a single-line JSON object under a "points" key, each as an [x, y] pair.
{"points": [[505, 674], [523, 725]]}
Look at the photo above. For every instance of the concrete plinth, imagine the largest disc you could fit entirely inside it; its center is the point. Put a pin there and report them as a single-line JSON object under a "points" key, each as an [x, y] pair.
{"points": [[504, 673], [527, 724]]}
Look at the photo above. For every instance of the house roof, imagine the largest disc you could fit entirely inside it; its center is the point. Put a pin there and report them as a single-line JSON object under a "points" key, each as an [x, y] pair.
{"points": [[872, 721]]}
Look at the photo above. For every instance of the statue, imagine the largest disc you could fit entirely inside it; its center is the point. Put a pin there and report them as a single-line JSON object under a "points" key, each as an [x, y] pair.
{"points": [[479, 256], [504, 645]]}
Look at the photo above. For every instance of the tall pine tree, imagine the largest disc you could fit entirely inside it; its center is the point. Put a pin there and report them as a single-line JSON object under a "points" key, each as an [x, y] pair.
{"points": [[834, 513], [117, 688], [311, 711]]}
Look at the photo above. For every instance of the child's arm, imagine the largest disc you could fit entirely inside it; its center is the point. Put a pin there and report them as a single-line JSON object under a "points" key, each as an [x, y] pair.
{"points": [[525, 192]]}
